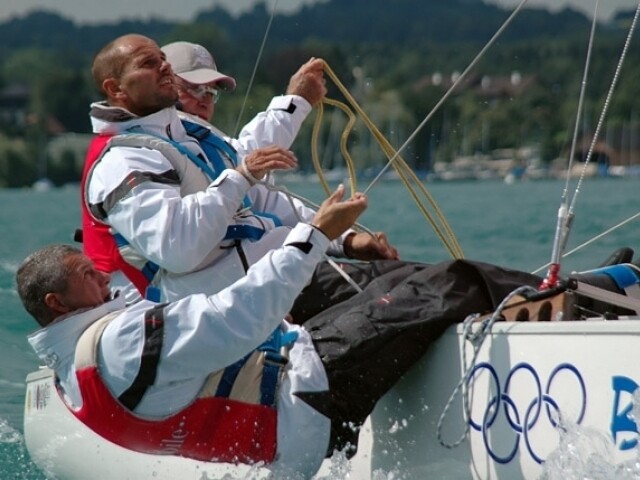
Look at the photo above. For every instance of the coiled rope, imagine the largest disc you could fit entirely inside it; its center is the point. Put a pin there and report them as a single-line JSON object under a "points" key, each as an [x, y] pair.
{"points": [[410, 180], [436, 219]]}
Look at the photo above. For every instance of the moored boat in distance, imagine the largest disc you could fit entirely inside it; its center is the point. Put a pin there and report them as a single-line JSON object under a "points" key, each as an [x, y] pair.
{"points": [[42, 185]]}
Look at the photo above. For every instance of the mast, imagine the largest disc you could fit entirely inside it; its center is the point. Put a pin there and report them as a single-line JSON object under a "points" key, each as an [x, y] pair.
{"points": [[565, 212]]}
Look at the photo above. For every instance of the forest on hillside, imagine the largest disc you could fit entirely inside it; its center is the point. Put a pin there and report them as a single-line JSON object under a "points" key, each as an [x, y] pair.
{"points": [[397, 62]]}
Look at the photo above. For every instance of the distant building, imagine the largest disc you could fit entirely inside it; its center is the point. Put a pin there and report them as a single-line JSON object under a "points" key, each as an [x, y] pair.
{"points": [[15, 114], [492, 87], [503, 87], [14, 103], [619, 146]]}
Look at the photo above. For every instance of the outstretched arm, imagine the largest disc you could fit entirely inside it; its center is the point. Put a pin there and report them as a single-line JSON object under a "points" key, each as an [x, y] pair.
{"points": [[280, 123], [239, 318], [365, 246]]}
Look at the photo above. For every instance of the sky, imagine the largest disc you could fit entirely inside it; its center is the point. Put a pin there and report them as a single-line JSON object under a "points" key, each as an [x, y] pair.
{"points": [[91, 11]]}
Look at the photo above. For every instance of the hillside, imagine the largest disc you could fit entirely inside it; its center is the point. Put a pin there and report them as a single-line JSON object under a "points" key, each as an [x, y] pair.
{"points": [[387, 53], [409, 22]]}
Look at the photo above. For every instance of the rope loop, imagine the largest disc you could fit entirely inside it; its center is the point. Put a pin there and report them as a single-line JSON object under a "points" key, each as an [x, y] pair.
{"points": [[414, 185]]}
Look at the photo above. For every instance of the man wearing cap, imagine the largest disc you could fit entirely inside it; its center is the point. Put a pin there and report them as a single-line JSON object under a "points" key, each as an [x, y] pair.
{"points": [[175, 211], [199, 84], [198, 79]]}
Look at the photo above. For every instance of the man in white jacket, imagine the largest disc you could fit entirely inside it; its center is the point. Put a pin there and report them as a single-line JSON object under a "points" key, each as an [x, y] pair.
{"points": [[207, 377], [199, 335], [183, 221], [199, 83]]}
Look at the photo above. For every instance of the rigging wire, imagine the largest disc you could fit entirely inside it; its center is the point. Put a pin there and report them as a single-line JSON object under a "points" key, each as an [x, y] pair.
{"points": [[583, 88], [592, 240], [255, 68], [565, 216], [605, 108], [450, 91]]}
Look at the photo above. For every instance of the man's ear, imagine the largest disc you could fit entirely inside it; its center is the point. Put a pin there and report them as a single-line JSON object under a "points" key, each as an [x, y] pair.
{"points": [[55, 303], [111, 87]]}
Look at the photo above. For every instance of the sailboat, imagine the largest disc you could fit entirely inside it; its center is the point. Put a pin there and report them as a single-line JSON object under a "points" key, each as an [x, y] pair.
{"points": [[491, 399]]}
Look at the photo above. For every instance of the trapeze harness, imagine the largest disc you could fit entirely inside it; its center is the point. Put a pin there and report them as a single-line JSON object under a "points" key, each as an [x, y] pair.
{"points": [[109, 250], [233, 419]]}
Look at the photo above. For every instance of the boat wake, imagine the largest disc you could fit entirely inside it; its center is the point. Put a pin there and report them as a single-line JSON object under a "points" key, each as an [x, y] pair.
{"points": [[8, 434], [587, 453]]}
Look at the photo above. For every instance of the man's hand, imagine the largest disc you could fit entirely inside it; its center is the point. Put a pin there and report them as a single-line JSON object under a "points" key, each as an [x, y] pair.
{"points": [[365, 246], [308, 82], [266, 159], [334, 216]]}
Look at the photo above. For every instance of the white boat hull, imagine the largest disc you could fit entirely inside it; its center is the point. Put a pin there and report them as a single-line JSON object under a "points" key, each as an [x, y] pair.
{"points": [[585, 369], [66, 449]]}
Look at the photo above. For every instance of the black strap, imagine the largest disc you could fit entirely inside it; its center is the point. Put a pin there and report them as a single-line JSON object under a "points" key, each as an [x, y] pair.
{"points": [[153, 336], [243, 256]]}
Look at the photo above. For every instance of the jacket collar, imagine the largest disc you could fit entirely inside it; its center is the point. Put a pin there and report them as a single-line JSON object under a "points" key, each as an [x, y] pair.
{"points": [[55, 343], [110, 120]]}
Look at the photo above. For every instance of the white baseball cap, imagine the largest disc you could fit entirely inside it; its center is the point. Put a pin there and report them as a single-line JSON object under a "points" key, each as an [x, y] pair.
{"points": [[196, 65]]}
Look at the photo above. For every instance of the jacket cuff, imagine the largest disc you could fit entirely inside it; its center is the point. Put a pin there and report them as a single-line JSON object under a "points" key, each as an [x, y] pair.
{"points": [[235, 177], [293, 104], [308, 239], [336, 248]]}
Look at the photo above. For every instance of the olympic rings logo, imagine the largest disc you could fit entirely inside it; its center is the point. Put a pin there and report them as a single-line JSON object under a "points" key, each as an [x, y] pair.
{"points": [[522, 425]]}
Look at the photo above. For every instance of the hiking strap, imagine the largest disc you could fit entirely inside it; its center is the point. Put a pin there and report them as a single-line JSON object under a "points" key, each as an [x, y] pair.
{"points": [[276, 358]]}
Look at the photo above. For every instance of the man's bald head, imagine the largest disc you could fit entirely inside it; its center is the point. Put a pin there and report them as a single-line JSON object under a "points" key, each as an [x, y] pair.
{"points": [[111, 59], [132, 72]]}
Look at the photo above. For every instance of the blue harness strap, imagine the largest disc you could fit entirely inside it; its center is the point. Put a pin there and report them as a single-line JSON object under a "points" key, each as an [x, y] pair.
{"points": [[212, 146], [229, 376], [208, 140], [239, 232], [149, 270], [212, 166], [274, 362]]}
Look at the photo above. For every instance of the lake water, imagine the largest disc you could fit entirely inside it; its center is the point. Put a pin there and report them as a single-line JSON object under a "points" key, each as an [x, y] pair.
{"points": [[511, 225]]}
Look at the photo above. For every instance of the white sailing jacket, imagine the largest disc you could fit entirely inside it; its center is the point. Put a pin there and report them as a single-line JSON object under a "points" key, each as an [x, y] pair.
{"points": [[203, 334], [180, 229]]}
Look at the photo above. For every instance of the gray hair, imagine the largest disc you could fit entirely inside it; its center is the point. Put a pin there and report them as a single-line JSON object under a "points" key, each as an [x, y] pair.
{"points": [[43, 272]]}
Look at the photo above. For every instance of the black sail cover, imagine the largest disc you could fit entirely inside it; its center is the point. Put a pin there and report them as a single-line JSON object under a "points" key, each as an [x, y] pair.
{"points": [[368, 340]]}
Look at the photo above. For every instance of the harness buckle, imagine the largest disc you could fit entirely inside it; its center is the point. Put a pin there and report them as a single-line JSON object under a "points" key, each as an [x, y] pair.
{"points": [[278, 359]]}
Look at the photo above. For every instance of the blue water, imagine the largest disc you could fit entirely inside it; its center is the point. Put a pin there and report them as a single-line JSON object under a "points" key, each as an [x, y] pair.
{"points": [[511, 225]]}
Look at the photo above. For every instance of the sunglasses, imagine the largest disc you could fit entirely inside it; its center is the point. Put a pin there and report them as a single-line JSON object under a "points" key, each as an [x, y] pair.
{"points": [[200, 91]]}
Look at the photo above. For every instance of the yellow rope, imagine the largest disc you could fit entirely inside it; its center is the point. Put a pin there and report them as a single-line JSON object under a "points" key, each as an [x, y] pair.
{"points": [[343, 145], [436, 219]]}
